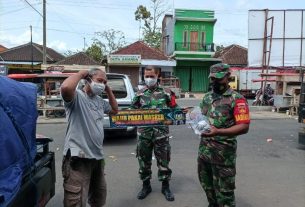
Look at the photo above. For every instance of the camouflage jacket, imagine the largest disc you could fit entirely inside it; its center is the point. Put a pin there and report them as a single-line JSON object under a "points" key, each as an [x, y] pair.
{"points": [[157, 98], [223, 111]]}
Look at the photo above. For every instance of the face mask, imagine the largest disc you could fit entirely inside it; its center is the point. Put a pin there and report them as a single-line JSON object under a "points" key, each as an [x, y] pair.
{"points": [[97, 88], [150, 81], [218, 88]]}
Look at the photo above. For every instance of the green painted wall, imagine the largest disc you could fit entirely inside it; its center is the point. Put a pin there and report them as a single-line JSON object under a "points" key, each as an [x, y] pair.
{"points": [[187, 13], [193, 74], [190, 26], [193, 78], [185, 22]]}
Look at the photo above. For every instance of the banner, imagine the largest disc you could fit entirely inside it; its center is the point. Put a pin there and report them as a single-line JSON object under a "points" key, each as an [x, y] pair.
{"points": [[147, 117]]}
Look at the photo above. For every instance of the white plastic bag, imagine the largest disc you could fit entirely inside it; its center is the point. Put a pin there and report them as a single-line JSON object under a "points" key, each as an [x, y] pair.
{"points": [[198, 122]]}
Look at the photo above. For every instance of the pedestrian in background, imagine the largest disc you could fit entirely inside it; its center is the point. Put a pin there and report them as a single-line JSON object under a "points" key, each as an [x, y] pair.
{"points": [[83, 163], [154, 138], [228, 114]]}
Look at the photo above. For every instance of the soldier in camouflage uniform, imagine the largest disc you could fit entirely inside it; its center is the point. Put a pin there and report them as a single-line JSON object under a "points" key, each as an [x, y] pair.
{"points": [[228, 114], [154, 138]]}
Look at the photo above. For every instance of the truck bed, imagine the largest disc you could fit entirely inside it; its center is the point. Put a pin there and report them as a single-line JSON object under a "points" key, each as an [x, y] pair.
{"points": [[38, 183]]}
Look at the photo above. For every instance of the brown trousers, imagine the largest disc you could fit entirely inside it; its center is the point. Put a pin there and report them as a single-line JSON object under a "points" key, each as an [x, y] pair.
{"points": [[83, 179]]}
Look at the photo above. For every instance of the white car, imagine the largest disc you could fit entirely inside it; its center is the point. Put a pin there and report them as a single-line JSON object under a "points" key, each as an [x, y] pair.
{"points": [[124, 93]]}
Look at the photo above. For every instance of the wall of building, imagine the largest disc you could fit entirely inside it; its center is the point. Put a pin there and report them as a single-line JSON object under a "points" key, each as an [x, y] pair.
{"points": [[132, 72], [191, 26]]}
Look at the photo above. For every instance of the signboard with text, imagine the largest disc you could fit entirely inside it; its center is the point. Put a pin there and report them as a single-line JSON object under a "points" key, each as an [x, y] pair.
{"points": [[24, 66], [55, 69], [124, 59], [147, 117]]}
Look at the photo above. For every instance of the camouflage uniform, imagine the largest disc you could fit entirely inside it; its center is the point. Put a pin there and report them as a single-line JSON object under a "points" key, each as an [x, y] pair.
{"points": [[154, 138], [217, 155]]}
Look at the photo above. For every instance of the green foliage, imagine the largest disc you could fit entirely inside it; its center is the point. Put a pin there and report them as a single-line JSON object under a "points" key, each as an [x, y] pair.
{"points": [[153, 39], [151, 31], [219, 47], [104, 43], [70, 52], [110, 40], [95, 51]]}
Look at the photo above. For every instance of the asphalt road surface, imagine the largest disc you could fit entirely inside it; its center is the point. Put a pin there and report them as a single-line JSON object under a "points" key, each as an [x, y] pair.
{"points": [[268, 173]]}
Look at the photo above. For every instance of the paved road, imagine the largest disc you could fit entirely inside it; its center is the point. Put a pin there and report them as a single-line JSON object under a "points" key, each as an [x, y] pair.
{"points": [[268, 173]]}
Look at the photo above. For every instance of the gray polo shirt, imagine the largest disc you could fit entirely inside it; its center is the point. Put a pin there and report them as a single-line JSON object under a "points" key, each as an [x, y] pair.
{"points": [[85, 133]]}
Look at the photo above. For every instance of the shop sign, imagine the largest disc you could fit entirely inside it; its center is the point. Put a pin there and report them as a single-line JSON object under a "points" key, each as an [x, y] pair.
{"points": [[124, 59], [55, 69], [24, 66]]}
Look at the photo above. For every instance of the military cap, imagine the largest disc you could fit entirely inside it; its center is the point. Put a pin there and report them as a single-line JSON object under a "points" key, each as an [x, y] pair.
{"points": [[219, 70]]}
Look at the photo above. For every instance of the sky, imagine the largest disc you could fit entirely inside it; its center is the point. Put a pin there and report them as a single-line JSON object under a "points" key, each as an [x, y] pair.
{"points": [[71, 24]]}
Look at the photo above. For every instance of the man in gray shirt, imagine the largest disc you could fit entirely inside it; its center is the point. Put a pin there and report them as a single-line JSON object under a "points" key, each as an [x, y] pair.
{"points": [[83, 163]]}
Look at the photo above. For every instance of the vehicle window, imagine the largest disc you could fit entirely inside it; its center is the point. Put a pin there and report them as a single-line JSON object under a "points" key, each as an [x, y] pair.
{"points": [[118, 88]]}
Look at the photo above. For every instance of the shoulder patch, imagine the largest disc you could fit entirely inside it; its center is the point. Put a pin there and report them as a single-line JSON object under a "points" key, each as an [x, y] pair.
{"points": [[241, 111]]}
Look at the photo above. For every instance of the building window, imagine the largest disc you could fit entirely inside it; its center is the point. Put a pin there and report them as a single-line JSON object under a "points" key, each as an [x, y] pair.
{"points": [[184, 38], [203, 45]]}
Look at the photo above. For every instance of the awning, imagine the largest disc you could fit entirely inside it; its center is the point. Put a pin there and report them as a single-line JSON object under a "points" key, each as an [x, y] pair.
{"points": [[200, 59], [158, 62], [22, 76]]}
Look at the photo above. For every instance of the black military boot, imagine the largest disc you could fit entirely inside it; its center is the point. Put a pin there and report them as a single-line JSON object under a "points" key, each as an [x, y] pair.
{"points": [[166, 191], [146, 189]]}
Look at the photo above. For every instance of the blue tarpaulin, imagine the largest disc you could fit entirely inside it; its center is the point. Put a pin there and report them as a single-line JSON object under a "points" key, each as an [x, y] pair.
{"points": [[18, 115]]}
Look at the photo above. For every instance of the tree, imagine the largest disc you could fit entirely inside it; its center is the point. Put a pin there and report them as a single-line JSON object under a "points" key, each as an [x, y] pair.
{"points": [[95, 51], [70, 52], [152, 32], [110, 40], [219, 47]]}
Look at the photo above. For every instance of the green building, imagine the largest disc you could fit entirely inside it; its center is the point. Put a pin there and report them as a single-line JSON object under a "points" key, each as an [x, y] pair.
{"points": [[188, 38]]}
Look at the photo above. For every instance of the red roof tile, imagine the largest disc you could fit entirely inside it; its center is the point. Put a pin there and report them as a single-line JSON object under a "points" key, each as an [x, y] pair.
{"points": [[80, 58], [2, 48], [234, 55], [140, 48], [23, 53]]}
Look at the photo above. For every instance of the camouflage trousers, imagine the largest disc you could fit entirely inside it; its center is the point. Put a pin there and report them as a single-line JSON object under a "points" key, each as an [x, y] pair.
{"points": [[218, 183], [161, 149]]}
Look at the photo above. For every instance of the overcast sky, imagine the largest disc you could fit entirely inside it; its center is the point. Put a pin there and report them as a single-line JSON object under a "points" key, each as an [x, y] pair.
{"points": [[70, 21]]}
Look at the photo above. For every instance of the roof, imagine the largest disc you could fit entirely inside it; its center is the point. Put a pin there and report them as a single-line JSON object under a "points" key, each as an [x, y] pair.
{"points": [[2, 48], [80, 58], [233, 55], [140, 48], [23, 53]]}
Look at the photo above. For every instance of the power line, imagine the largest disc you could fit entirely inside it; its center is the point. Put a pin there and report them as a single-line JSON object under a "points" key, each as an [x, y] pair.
{"points": [[66, 31], [33, 8], [12, 11], [89, 3], [95, 6], [57, 14], [12, 28]]}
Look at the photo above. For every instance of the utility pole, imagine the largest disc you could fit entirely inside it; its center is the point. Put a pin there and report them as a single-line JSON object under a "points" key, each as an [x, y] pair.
{"points": [[44, 61], [139, 29], [84, 44], [31, 46]]}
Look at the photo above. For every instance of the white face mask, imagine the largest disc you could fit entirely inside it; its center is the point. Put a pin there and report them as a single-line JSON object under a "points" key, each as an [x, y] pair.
{"points": [[150, 81], [97, 88]]}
